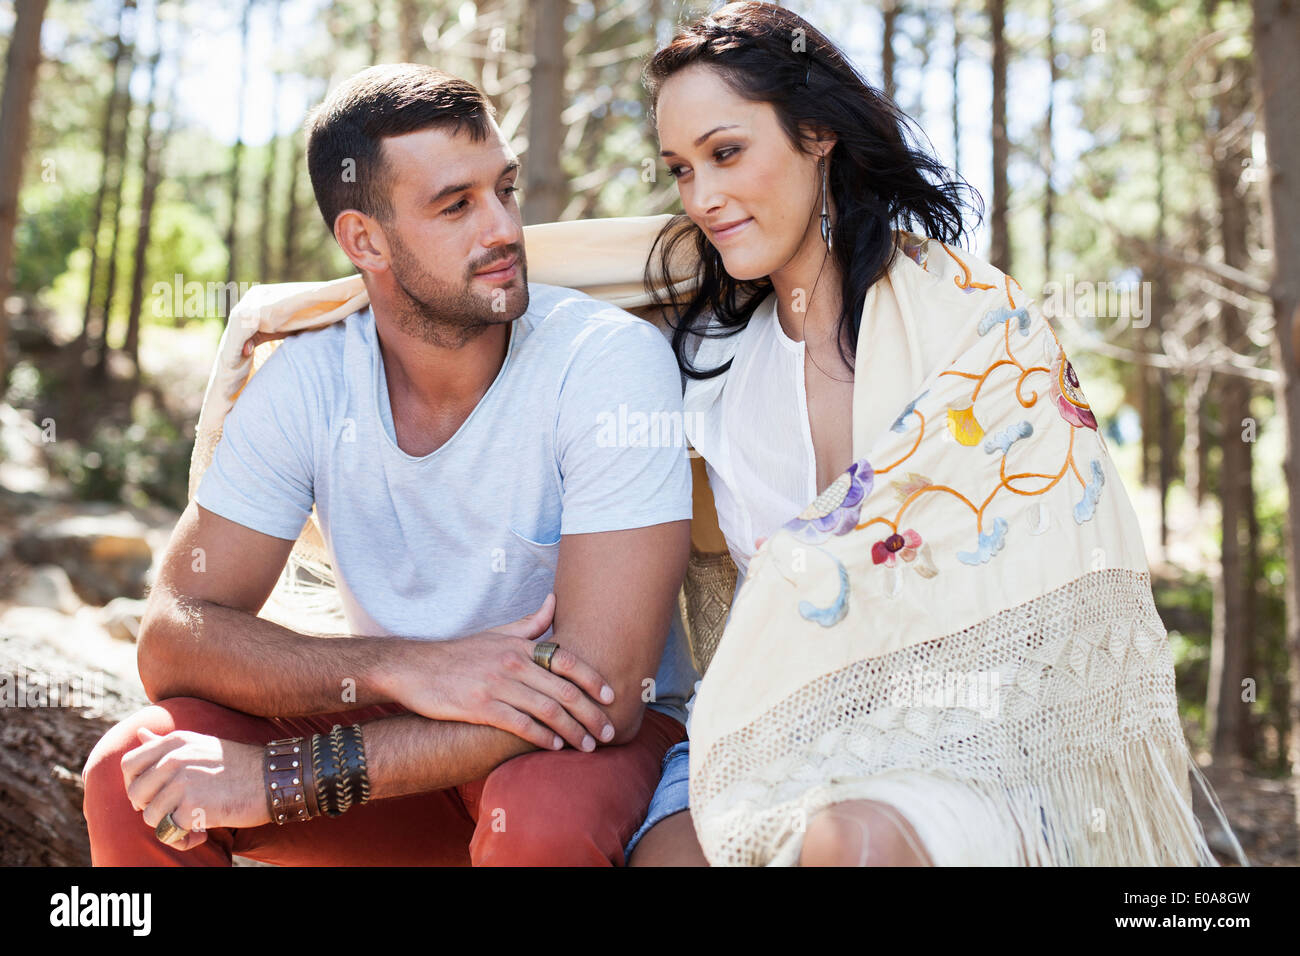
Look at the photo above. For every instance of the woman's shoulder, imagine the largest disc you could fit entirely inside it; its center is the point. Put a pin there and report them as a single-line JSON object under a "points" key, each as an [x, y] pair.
{"points": [[935, 263], [948, 295]]}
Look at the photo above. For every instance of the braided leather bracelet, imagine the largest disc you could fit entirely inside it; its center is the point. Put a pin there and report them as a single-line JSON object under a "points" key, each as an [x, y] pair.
{"points": [[326, 772], [350, 755], [360, 778]]}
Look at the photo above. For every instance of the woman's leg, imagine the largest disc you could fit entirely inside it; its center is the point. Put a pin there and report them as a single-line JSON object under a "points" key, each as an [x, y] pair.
{"points": [[667, 837], [862, 833], [670, 842]]}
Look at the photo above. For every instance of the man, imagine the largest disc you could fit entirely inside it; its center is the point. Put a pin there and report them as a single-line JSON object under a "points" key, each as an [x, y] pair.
{"points": [[448, 437]]}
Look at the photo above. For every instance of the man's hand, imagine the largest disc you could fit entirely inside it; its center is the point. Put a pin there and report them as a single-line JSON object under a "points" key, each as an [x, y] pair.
{"points": [[260, 337], [491, 678], [202, 781]]}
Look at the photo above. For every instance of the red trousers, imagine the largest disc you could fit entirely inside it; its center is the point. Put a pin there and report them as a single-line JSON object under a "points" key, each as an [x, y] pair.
{"points": [[543, 808]]}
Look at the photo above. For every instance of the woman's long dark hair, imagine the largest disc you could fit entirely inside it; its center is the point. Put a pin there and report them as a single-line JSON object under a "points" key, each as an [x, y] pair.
{"points": [[879, 180]]}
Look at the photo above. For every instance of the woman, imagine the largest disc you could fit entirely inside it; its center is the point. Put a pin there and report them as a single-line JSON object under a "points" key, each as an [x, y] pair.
{"points": [[793, 174], [752, 144]]}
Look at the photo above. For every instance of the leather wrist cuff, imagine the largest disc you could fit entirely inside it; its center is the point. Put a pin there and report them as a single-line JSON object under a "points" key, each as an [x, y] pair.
{"points": [[283, 773], [311, 782]]}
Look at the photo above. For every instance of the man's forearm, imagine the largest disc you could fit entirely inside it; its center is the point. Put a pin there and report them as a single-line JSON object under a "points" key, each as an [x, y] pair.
{"points": [[192, 648], [411, 754]]}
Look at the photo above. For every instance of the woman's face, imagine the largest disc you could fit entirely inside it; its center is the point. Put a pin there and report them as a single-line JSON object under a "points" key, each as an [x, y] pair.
{"points": [[757, 197]]}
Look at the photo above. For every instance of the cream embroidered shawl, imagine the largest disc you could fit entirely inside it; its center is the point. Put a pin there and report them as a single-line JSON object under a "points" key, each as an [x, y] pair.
{"points": [[961, 625]]}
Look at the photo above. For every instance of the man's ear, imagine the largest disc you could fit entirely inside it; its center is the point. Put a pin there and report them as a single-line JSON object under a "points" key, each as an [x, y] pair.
{"points": [[362, 240]]}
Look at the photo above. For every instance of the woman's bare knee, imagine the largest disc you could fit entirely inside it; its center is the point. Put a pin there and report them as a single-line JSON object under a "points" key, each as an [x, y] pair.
{"points": [[861, 833]]}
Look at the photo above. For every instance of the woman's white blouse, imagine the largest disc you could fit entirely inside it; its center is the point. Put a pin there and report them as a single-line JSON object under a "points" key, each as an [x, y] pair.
{"points": [[750, 424], [753, 433]]}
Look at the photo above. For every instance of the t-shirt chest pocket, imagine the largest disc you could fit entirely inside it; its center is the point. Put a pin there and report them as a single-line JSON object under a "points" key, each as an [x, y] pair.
{"points": [[543, 555]]}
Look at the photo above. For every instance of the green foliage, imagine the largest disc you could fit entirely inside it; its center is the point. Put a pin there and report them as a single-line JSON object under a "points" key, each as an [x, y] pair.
{"points": [[184, 242], [147, 461], [1186, 607], [50, 229]]}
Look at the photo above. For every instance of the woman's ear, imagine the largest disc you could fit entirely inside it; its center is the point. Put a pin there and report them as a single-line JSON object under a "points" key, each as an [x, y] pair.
{"points": [[820, 140], [826, 140]]}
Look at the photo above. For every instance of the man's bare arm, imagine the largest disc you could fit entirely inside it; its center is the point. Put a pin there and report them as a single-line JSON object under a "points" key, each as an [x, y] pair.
{"points": [[615, 597], [615, 593], [410, 754], [619, 586], [201, 637]]}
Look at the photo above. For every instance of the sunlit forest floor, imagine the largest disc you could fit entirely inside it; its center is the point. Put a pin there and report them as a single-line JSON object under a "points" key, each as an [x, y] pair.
{"points": [[133, 456]]}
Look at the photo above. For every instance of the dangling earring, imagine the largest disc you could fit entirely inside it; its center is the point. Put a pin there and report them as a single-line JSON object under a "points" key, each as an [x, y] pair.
{"points": [[826, 216]]}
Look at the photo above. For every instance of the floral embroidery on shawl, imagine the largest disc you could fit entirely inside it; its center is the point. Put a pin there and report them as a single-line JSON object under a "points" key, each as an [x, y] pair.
{"points": [[836, 511]]}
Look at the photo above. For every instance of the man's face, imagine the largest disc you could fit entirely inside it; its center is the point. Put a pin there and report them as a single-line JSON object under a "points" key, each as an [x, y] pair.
{"points": [[456, 237]]}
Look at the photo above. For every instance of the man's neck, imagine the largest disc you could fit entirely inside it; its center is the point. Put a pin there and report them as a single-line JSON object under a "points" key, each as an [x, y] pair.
{"points": [[433, 388], [435, 377]]}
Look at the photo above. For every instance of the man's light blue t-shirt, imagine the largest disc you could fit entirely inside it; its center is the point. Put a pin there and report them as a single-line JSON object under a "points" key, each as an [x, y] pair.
{"points": [[466, 537]]}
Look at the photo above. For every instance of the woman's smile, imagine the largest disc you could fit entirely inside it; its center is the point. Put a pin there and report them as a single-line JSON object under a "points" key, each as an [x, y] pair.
{"points": [[729, 230]]}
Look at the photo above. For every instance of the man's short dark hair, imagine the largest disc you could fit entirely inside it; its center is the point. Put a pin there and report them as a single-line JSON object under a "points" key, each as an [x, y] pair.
{"points": [[387, 100]]}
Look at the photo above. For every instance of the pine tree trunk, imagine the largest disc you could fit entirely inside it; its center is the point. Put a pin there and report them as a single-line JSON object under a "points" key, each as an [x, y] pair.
{"points": [[1277, 57], [1231, 637], [236, 155], [268, 173], [1049, 152], [152, 145], [289, 253], [15, 124], [890, 11], [1205, 424], [1248, 729], [956, 88], [105, 160], [544, 193], [374, 30], [119, 163], [1194, 429], [1146, 412], [1000, 250], [1160, 302], [408, 31]]}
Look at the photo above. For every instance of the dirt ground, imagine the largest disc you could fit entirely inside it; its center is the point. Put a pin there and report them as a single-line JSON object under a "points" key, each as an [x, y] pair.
{"points": [[1264, 814]]}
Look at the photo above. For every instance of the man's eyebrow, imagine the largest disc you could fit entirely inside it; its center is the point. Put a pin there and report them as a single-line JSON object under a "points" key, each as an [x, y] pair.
{"points": [[446, 191], [716, 129]]}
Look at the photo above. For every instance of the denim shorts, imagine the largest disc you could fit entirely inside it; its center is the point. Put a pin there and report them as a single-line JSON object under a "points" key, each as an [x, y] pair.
{"points": [[671, 796]]}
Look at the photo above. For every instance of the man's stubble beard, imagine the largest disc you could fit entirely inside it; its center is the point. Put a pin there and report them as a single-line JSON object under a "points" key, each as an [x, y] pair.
{"points": [[448, 316]]}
